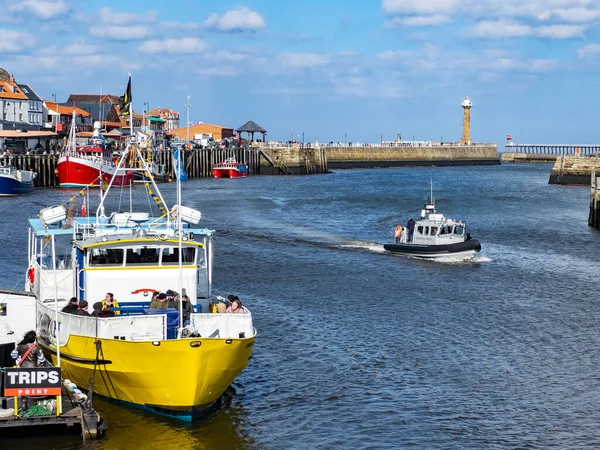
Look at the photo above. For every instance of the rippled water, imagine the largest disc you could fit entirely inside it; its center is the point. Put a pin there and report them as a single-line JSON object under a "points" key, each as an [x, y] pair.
{"points": [[358, 348]]}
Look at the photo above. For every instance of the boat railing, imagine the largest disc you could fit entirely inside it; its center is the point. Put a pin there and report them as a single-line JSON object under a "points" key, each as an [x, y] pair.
{"points": [[84, 230], [7, 170], [127, 328], [224, 326]]}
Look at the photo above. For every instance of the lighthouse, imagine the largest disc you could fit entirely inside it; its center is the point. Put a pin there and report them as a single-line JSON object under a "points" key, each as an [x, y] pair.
{"points": [[466, 104]]}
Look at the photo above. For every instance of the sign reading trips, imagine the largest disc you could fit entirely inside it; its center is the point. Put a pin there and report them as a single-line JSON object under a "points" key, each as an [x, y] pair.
{"points": [[32, 382]]}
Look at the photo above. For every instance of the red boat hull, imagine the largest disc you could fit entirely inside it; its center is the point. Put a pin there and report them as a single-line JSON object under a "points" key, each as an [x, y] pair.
{"points": [[74, 172], [228, 173]]}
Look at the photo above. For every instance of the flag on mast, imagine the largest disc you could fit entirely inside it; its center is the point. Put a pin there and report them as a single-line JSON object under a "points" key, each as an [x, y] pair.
{"points": [[125, 99]]}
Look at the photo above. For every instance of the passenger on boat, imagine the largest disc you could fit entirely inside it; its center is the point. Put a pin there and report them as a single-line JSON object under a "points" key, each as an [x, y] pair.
{"points": [[171, 301], [186, 308], [221, 308], [83, 308], [71, 307], [27, 353], [160, 302], [109, 300], [106, 311], [410, 226], [236, 307]]}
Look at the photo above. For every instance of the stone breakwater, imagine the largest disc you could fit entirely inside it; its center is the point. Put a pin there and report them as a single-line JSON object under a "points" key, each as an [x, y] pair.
{"points": [[527, 157], [574, 170], [435, 155]]}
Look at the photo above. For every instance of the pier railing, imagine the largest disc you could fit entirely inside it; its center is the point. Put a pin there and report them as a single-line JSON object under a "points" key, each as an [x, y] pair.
{"points": [[553, 149], [408, 144]]}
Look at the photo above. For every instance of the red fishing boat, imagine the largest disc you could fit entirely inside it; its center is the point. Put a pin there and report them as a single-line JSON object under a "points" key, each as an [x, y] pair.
{"points": [[230, 168], [90, 164]]}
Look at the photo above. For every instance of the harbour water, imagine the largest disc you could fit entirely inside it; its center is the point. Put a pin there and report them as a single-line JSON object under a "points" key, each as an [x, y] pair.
{"points": [[358, 348]]}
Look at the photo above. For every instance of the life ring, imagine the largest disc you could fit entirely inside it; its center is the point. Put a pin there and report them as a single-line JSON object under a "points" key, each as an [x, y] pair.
{"points": [[398, 231], [31, 275]]}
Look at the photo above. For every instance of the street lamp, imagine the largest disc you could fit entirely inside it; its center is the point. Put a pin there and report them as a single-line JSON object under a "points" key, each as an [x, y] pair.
{"points": [[56, 105], [187, 106], [146, 109]]}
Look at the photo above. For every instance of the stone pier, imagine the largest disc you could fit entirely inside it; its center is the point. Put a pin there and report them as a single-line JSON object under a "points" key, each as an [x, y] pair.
{"points": [[574, 170], [412, 156]]}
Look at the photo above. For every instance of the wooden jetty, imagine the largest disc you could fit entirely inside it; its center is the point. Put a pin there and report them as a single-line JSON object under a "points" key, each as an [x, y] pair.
{"points": [[76, 416], [198, 163]]}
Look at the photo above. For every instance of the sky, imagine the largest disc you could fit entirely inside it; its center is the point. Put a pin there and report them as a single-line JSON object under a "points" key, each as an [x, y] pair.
{"points": [[326, 70]]}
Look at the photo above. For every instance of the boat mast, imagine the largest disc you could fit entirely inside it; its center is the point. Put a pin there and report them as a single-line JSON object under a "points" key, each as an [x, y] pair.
{"points": [[179, 226], [56, 327]]}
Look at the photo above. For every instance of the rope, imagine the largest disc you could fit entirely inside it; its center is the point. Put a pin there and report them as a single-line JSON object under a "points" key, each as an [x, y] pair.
{"points": [[156, 198]]}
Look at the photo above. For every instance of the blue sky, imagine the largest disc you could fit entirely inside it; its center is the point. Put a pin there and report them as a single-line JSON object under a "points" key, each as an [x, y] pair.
{"points": [[326, 68]]}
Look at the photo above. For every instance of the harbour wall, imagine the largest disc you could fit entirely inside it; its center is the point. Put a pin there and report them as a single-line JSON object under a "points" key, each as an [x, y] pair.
{"points": [[198, 163], [527, 157], [574, 170], [412, 156]]}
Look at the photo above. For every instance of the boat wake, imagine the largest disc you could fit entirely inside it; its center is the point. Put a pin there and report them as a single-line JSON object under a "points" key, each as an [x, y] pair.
{"points": [[373, 247]]}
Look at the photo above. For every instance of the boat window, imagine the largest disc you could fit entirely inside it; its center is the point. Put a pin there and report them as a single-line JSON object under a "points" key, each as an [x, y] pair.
{"points": [[434, 231], [170, 255], [142, 256], [426, 233], [106, 257], [460, 230], [420, 229]]}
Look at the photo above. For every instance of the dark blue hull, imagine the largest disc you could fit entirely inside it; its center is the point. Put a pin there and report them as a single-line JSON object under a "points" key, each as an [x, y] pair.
{"points": [[11, 186]]}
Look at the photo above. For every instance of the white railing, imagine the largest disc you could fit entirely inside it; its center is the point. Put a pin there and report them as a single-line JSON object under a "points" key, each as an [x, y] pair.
{"points": [[129, 328], [317, 144], [224, 326]]}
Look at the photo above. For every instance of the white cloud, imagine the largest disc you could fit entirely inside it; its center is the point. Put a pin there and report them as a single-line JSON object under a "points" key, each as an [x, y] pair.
{"points": [[238, 19], [526, 65], [302, 60], [417, 21], [109, 16], [15, 41], [120, 33], [508, 28], [431, 59], [219, 71], [589, 51], [80, 48], [226, 55], [555, 19], [41, 9], [184, 45], [425, 7], [582, 15]]}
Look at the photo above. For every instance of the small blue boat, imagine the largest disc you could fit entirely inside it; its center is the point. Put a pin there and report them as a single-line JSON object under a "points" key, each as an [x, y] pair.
{"points": [[16, 182]]}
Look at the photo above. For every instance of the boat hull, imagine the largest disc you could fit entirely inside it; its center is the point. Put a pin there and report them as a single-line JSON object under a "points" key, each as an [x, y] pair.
{"points": [[10, 186], [460, 250], [182, 378], [229, 172], [74, 172]]}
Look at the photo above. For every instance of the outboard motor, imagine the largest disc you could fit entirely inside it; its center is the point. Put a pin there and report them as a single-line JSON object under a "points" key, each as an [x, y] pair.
{"points": [[468, 236]]}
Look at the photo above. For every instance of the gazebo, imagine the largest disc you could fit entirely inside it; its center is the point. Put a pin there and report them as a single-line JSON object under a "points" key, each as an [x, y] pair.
{"points": [[251, 127]]}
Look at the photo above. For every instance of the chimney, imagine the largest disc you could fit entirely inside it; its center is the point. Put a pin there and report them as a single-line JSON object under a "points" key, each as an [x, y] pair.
{"points": [[12, 79]]}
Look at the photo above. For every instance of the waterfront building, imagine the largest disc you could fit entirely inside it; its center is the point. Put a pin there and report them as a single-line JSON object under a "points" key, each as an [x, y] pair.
{"points": [[170, 117], [217, 132]]}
